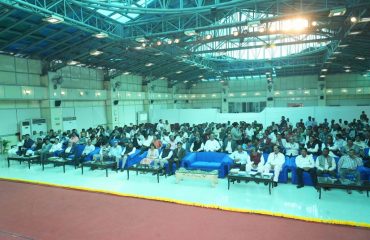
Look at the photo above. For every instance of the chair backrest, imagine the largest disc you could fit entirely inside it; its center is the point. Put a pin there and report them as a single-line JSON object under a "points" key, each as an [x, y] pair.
{"points": [[209, 156], [79, 149]]}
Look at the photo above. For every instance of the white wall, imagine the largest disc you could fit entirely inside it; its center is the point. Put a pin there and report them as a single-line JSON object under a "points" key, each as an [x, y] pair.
{"points": [[267, 116]]}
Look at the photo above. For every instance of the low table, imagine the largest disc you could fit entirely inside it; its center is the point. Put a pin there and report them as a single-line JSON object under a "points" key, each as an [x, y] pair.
{"points": [[182, 173], [150, 169], [57, 161], [21, 159], [101, 165], [248, 177], [326, 182]]}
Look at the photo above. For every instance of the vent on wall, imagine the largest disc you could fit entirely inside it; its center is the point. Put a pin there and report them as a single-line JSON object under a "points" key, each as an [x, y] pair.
{"points": [[57, 103]]}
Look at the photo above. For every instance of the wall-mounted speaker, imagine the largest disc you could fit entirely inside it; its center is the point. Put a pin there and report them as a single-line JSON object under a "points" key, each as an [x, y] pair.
{"points": [[187, 101], [225, 100], [322, 97], [57, 103], [115, 102], [151, 101], [175, 101], [270, 99]]}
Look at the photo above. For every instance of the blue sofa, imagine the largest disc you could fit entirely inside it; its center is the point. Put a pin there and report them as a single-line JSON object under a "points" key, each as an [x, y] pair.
{"points": [[208, 161]]}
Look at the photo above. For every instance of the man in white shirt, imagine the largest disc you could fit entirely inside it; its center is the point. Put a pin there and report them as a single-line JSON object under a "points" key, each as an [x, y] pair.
{"points": [[305, 163], [57, 146], [291, 148], [212, 145], [87, 150], [160, 126], [241, 158], [275, 162], [126, 152], [115, 152]]}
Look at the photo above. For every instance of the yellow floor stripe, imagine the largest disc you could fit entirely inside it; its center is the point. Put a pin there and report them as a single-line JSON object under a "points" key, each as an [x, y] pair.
{"points": [[230, 209]]}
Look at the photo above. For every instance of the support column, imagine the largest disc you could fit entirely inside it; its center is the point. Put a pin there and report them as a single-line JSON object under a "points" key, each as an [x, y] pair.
{"points": [[321, 92], [112, 109], [225, 99], [51, 108]]}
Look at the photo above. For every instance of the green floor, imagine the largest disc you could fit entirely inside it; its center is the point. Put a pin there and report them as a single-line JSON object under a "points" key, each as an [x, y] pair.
{"points": [[285, 199]]}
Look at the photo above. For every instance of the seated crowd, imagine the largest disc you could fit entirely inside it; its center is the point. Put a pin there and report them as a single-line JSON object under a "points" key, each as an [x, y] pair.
{"points": [[314, 146]]}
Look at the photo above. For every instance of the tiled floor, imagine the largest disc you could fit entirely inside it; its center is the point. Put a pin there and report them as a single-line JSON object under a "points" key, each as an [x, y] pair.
{"points": [[285, 199]]}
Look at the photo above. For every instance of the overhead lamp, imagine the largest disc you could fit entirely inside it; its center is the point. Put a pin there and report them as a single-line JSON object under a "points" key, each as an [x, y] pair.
{"points": [[347, 70], [200, 76], [95, 53], [62, 93], [337, 12], [332, 58], [365, 19], [162, 78], [314, 23], [343, 45], [353, 19], [328, 62], [178, 72], [255, 23], [344, 90], [347, 67], [82, 93], [235, 33], [208, 36], [139, 47], [337, 52], [257, 94], [97, 94], [261, 29], [27, 92], [324, 70], [190, 33], [53, 19], [186, 81], [177, 40], [251, 69], [306, 92], [141, 39], [360, 58], [159, 43], [354, 33], [204, 80], [158, 54], [329, 91], [359, 90], [322, 75], [101, 35], [143, 45], [149, 64], [312, 65], [126, 73], [277, 93], [72, 62], [169, 41]]}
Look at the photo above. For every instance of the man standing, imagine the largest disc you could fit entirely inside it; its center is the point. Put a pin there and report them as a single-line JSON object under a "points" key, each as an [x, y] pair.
{"points": [[178, 155], [236, 134], [275, 162], [305, 163]]}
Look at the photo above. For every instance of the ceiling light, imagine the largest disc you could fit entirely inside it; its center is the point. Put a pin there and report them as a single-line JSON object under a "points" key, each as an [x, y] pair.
{"points": [[62, 93], [97, 94], [314, 23], [322, 75], [277, 93], [81, 93], [332, 58], [251, 69], [306, 92], [186, 81], [53, 19], [101, 35], [360, 58], [162, 78], [235, 33], [290, 92], [329, 91], [254, 23], [354, 33], [261, 29], [257, 94], [337, 12], [140, 47], [365, 19], [95, 53], [347, 70], [72, 62], [149, 64], [344, 90], [359, 90], [343, 45], [353, 19], [169, 41], [244, 94], [208, 36], [328, 62], [190, 33], [158, 54], [200, 76], [176, 40], [178, 72], [159, 43], [141, 39], [347, 67], [337, 52], [143, 45], [312, 65], [324, 70], [126, 73]]}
